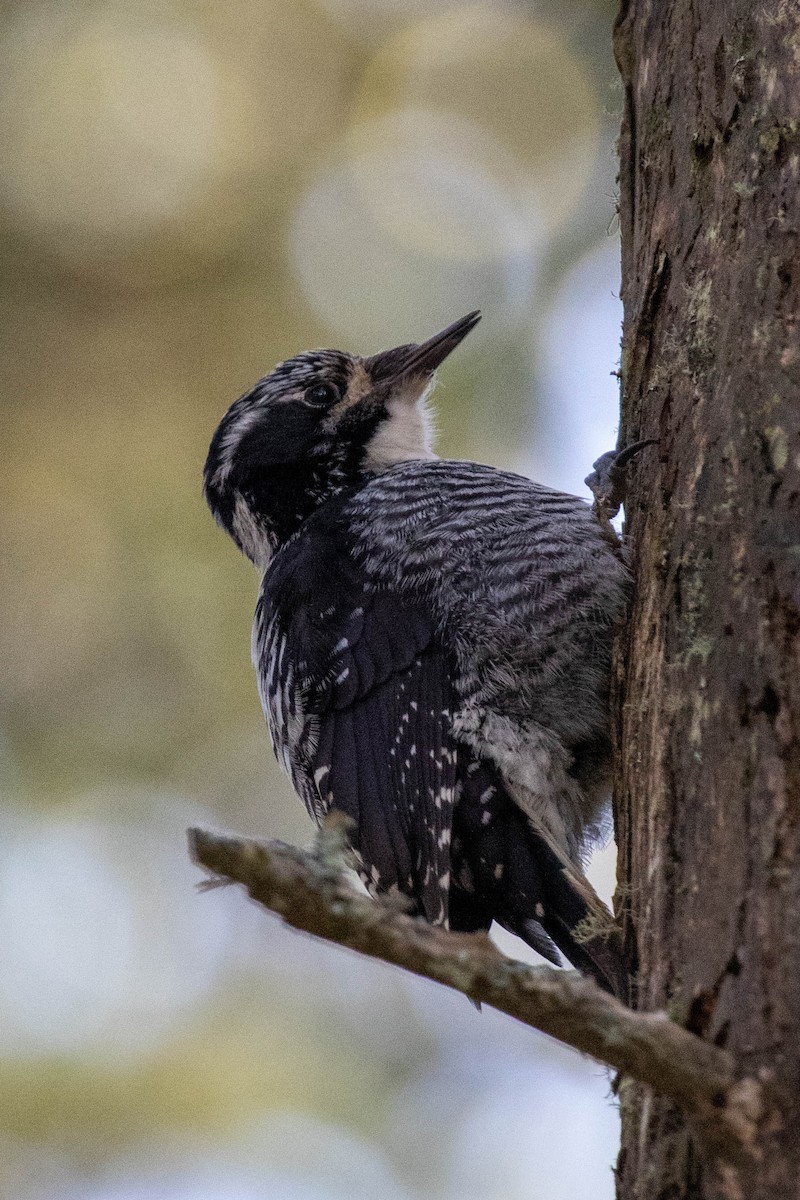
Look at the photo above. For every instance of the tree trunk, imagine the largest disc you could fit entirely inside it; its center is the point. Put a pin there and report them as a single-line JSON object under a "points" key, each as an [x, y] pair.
{"points": [[708, 678]]}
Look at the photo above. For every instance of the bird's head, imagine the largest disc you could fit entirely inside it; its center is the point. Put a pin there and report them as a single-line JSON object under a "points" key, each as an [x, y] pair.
{"points": [[320, 422]]}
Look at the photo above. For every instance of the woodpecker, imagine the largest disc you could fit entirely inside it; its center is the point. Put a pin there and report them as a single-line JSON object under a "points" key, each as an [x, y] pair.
{"points": [[432, 641]]}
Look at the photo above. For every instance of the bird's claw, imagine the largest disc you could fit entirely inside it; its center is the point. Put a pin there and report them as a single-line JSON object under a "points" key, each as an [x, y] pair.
{"points": [[608, 481]]}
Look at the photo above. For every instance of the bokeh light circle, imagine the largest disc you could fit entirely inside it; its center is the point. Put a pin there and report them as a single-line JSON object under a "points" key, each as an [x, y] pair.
{"points": [[392, 241], [372, 20], [111, 130], [517, 79], [104, 942], [134, 150], [438, 184]]}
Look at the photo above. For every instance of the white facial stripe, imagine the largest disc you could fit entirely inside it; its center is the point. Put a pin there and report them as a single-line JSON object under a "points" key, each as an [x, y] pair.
{"points": [[252, 537], [406, 433], [231, 441]]}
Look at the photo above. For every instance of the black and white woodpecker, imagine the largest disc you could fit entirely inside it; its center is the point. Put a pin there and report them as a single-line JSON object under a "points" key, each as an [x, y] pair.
{"points": [[432, 641]]}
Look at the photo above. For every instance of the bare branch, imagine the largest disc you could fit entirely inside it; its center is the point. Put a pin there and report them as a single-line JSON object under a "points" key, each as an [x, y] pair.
{"points": [[310, 892]]}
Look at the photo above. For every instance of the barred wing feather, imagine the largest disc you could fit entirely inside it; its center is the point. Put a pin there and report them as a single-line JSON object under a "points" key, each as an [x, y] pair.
{"points": [[358, 698]]}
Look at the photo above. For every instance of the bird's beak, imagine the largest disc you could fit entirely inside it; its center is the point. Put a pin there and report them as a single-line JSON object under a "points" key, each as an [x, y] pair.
{"points": [[420, 360]]}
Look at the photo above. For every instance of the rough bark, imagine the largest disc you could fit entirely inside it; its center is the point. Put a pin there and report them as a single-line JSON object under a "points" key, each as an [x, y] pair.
{"points": [[708, 676]]}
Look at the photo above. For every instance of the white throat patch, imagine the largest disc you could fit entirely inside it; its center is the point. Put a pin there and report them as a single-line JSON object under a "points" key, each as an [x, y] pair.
{"points": [[406, 433]]}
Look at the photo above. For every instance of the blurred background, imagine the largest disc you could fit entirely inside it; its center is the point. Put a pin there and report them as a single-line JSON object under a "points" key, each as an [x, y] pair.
{"points": [[188, 193]]}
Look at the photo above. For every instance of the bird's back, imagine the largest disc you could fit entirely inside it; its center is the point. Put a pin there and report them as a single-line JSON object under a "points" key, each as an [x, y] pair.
{"points": [[523, 580]]}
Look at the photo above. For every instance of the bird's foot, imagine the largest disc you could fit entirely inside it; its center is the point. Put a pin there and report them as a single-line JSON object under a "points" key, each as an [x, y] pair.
{"points": [[608, 481]]}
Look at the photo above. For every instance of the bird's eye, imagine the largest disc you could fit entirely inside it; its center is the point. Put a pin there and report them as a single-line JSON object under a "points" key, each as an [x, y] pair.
{"points": [[322, 393]]}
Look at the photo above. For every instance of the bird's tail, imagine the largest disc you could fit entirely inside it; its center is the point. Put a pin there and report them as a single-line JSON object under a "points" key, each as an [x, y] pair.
{"points": [[578, 922], [508, 870]]}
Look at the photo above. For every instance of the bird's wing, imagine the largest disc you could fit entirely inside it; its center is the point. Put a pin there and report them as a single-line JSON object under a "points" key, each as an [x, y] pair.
{"points": [[357, 691], [385, 756]]}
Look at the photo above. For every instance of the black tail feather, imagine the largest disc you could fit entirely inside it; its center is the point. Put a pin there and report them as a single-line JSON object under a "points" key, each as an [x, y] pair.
{"points": [[578, 921], [534, 935], [525, 884]]}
